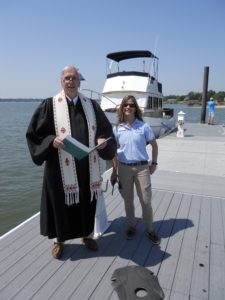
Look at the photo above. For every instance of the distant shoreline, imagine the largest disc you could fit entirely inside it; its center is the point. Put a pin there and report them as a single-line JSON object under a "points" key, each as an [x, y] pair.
{"points": [[20, 100], [195, 106], [39, 100], [219, 106]]}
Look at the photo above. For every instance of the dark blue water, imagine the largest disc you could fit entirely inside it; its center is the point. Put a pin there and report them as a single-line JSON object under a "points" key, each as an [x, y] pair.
{"points": [[20, 179]]}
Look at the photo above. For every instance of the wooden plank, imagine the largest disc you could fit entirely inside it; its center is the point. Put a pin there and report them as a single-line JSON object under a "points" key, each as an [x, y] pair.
{"points": [[19, 253], [217, 229], [20, 243], [174, 244], [200, 276], [183, 275], [223, 216], [217, 272], [217, 254], [178, 296], [14, 236], [12, 279], [53, 279], [50, 268]]}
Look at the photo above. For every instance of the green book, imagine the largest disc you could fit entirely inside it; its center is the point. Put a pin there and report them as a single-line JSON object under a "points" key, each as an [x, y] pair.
{"points": [[77, 149]]}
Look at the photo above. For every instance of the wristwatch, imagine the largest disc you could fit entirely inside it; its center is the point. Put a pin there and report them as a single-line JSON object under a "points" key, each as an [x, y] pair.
{"points": [[154, 163]]}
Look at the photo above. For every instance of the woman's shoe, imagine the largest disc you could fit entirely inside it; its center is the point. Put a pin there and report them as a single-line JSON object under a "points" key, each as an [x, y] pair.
{"points": [[130, 233], [153, 237]]}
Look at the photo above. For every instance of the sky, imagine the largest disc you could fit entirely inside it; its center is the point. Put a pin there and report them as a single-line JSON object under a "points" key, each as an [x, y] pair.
{"points": [[39, 37]]}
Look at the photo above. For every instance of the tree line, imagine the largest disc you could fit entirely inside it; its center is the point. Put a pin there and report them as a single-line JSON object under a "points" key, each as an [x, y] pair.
{"points": [[196, 97]]}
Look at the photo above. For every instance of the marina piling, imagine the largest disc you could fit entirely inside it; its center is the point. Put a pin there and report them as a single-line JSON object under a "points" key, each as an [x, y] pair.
{"points": [[204, 94]]}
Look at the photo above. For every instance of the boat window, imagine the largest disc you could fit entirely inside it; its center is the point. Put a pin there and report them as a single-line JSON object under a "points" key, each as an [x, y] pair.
{"points": [[160, 102], [149, 105], [160, 87], [155, 102]]}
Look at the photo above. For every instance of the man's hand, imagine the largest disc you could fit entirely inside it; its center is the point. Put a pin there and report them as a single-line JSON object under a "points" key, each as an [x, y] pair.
{"points": [[101, 141], [57, 143], [152, 169]]}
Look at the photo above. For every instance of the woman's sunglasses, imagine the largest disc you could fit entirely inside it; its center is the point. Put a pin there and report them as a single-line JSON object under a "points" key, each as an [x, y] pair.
{"points": [[129, 104]]}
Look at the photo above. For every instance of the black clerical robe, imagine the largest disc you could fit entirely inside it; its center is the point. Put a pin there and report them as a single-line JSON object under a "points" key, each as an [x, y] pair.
{"points": [[56, 218]]}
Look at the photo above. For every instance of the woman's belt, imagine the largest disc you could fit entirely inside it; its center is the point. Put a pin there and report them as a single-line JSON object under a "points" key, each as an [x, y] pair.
{"points": [[138, 163]]}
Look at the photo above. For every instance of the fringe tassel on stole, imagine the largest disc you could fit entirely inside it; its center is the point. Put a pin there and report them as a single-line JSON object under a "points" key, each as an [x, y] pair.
{"points": [[71, 198]]}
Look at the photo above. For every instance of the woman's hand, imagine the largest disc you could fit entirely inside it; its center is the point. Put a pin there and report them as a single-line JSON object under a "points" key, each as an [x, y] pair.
{"points": [[113, 177], [152, 168]]}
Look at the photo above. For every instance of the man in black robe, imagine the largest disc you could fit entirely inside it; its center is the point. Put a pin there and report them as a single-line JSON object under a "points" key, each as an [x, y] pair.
{"points": [[58, 220]]}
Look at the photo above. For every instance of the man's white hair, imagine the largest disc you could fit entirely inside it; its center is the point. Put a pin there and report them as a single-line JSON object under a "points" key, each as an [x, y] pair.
{"points": [[67, 68]]}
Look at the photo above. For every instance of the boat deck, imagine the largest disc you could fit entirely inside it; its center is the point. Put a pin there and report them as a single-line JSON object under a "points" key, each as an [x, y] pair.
{"points": [[189, 215]]}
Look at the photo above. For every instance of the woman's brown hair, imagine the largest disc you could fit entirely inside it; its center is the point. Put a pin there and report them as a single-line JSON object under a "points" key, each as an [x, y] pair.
{"points": [[138, 112]]}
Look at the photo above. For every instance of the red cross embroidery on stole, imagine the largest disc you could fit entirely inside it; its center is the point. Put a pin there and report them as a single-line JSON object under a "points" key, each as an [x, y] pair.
{"points": [[67, 162], [63, 130]]}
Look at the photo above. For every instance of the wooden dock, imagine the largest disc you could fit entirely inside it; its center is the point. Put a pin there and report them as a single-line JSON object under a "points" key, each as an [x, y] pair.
{"points": [[189, 215]]}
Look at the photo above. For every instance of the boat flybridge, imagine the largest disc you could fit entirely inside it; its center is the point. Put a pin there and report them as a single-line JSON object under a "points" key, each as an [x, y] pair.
{"points": [[138, 77]]}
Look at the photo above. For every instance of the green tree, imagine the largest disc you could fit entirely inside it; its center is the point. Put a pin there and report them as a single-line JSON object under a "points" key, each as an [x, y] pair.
{"points": [[211, 93], [220, 96]]}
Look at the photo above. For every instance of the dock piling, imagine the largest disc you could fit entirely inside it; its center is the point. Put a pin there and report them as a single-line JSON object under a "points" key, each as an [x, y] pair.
{"points": [[204, 94]]}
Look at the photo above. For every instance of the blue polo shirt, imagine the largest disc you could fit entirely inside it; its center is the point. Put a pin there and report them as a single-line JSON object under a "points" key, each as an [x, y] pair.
{"points": [[132, 141], [211, 106]]}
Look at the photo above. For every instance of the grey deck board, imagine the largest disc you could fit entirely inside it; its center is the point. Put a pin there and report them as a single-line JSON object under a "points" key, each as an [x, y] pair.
{"points": [[14, 238], [200, 277], [174, 245], [182, 280], [189, 215], [217, 274]]}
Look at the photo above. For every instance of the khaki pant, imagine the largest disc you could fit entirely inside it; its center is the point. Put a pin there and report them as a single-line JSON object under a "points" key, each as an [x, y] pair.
{"points": [[140, 177]]}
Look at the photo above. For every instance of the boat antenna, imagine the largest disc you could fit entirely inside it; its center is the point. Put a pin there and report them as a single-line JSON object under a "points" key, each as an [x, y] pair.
{"points": [[143, 65], [153, 61]]}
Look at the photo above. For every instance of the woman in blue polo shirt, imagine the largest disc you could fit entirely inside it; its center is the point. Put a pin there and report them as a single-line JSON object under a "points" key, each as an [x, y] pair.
{"points": [[131, 165]]}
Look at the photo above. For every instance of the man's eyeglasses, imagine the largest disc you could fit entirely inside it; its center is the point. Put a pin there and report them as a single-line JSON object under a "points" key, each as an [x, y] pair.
{"points": [[70, 78], [129, 104]]}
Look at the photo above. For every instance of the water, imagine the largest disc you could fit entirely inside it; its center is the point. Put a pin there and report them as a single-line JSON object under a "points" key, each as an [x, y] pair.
{"points": [[21, 180], [193, 114]]}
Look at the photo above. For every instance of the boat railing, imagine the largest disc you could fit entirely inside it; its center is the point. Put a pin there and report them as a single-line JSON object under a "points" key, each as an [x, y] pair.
{"points": [[165, 113], [153, 113], [99, 95], [129, 73]]}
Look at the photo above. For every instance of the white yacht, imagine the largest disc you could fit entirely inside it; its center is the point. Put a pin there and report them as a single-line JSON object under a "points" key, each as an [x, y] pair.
{"points": [[136, 73]]}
